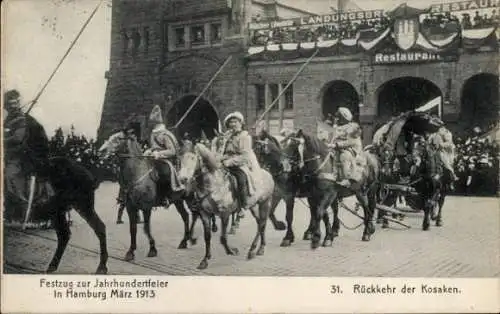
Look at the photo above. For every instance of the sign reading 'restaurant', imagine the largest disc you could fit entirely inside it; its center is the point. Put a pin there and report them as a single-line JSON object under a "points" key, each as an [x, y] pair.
{"points": [[464, 5], [406, 57]]}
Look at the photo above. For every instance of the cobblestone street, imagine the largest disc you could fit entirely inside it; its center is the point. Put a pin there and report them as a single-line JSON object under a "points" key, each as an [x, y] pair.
{"points": [[466, 246]]}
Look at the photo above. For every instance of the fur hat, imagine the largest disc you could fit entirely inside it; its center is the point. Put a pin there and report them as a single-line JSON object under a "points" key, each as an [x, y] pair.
{"points": [[155, 116], [9, 96], [345, 113], [234, 115]]}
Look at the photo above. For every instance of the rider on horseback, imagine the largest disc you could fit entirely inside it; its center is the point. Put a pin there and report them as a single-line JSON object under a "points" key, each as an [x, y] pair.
{"points": [[346, 139], [442, 142], [164, 148], [239, 158], [26, 150]]}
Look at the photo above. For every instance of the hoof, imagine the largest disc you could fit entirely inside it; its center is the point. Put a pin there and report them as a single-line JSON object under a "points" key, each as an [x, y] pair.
{"points": [[425, 227], [129, 257], [366, 237], [251, 255], [232, 230], [241, 215], [119, 222], [280, 225], [439, 223], [307, 236], [193, 241], [327, 243], [203, 265], [260, 251], [214, 228], [101, 270], [385, 225], [335, 234], [314, 245], [233, 251], [51, 269], [152, 252], [182, 245], [286, 243]]}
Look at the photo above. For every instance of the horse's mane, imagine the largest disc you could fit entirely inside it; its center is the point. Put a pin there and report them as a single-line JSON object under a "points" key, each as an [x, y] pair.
{"points": [[266, 135], [314, 143], [207, 156]]}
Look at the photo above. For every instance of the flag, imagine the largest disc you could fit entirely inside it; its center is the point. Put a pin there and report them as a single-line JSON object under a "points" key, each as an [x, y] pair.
{"points": [[434, 103]]}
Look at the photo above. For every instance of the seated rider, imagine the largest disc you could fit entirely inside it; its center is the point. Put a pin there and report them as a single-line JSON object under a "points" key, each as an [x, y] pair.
{"points": [[238, 157], [442, 143], [164, 148], [346, 140]]}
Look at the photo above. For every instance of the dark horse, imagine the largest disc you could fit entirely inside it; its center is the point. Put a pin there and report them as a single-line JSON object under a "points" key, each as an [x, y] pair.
{"points": [[141, 191], [427, 187], [74, 188], [317, 165], [288, 182]]}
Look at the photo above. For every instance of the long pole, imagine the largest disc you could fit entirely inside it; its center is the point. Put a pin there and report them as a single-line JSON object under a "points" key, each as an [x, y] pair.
{"points": [[64, 57], [202, 92], [286, 87]]}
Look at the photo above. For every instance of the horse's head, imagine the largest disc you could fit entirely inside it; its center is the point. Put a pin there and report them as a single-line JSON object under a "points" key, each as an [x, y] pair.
{"points": [[304, 151], [120, 143], [190, 163], [268, 152], [113, 145]]}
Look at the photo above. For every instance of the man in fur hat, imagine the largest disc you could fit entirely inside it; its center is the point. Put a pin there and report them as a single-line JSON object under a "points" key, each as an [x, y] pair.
{"points": [[442, 142], [346, 140], [238, 156], [164, 148]]}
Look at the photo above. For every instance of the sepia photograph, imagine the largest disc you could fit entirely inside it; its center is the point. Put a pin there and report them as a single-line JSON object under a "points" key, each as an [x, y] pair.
{"points": [[276, 138]]}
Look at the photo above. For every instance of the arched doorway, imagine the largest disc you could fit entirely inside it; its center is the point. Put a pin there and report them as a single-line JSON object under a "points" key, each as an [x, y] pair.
{"points": [[340, 94], [404, 94], [479, 101], [202, 117]]}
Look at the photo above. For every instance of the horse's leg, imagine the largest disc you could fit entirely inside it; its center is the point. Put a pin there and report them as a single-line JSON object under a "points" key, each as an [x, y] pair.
{"points": [[86, 210], [327, 241], [147, 229], [214, 224], [132, 218], [439, 221], [195, 215], [308, 233], [363, 200], [319, 211], [336, 221], [208, 237], [232, 230], [223, 237], [276, 198], [253, 246], [119, 218], [289, 236], [185, 218], [264, 211], [63, 234]]}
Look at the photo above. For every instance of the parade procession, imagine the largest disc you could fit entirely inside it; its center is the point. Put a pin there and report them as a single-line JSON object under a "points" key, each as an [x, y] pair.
{"points": [[371, 131]]}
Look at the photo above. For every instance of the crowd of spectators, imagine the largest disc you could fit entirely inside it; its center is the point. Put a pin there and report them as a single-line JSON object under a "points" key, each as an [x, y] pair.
{"points": [[84, 151], [476, 165], [343, 30], [431, 24]]}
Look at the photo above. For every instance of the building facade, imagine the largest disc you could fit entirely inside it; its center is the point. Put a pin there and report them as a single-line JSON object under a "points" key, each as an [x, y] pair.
{"points": [[167, 52]]}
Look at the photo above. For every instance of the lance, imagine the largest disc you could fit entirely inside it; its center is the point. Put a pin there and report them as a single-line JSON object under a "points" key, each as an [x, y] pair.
{"points": [[202, 92], [286, 87], [64, 57]]}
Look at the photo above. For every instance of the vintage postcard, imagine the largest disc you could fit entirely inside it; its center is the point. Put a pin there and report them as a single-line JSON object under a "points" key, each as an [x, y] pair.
{"points": [[237, 156]]}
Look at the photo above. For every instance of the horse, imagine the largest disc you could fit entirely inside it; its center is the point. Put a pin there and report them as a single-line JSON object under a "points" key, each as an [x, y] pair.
{"points": [[141, 191], [215, 192], [287, 184], [317, 165], [427, 179], [74, 188]]}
